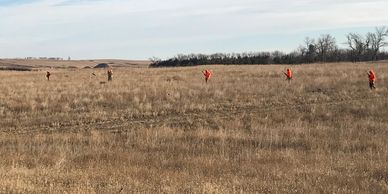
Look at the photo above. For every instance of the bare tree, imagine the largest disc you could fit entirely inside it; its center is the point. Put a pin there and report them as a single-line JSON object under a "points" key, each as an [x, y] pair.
{"points": [[154, 59], [311, 49], [377, 40], [322, 49], [325, 45], [308, 50], [357, 45]]}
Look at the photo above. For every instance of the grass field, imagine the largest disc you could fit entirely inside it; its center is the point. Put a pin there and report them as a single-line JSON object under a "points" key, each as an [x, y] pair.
{"points": [[165, 130], [33, 64]]}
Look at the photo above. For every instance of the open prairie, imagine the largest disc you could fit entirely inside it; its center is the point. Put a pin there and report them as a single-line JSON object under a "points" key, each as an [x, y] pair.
{"points": [[165, 130], [33, 64]]}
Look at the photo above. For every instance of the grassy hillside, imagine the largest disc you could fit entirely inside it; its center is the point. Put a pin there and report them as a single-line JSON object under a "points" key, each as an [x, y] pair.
{"points": [[22, 64], [165, 130]]}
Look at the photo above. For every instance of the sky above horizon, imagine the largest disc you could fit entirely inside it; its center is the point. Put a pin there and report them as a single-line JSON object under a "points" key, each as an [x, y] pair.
{"points": [[134, 29]]}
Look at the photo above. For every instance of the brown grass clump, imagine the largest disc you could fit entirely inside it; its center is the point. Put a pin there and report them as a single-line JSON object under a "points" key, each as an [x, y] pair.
{"points": [[165, 130]]}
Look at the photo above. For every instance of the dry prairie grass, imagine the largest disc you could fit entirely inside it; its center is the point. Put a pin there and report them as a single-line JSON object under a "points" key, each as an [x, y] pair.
{"points": [[22, 64], [164, 130]]}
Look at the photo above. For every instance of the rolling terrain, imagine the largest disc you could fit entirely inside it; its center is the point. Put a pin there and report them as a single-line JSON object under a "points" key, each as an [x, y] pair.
{"points": [[165, 130], [36, 64]]}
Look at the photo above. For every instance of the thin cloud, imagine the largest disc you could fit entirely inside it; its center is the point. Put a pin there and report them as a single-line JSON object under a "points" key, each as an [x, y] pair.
{"points": [[139, 29]]}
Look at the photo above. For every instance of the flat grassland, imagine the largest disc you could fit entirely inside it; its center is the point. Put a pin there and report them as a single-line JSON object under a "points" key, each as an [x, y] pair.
{"points": [[165, 130]]}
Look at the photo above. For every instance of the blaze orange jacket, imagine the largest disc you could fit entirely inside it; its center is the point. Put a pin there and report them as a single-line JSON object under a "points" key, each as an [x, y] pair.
{"points": [[289, 73], [207, 74], [372, 76]]}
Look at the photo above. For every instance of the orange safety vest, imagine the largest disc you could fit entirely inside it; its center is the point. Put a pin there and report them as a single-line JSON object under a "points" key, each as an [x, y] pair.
{"points": [[372, 76], [207, 74], [288, 74]]}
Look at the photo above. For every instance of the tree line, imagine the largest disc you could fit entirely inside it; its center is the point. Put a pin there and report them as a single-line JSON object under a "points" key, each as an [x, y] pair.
{"points": [[358, 48]]}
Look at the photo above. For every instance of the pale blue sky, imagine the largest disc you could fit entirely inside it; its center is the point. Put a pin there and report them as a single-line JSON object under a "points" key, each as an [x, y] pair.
{"points": [[139, 29]]}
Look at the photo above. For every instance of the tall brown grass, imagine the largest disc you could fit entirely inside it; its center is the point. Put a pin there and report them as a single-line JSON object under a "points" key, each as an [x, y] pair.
{"points": [[165, 130]]}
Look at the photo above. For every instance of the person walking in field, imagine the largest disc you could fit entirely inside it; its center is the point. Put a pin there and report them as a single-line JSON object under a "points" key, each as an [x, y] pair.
{"points": [[110, 74], [288, 75], [207, 74], [372, 79], [48, 74]]}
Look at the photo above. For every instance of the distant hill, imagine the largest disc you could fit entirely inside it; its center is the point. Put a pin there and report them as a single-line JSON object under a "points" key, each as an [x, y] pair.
{"points": [[26, 64], [102, 65]]}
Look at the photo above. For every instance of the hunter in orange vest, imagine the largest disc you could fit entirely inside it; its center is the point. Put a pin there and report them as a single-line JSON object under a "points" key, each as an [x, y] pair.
{"points": [[288, 74], [372, 79], [207, 75]]}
